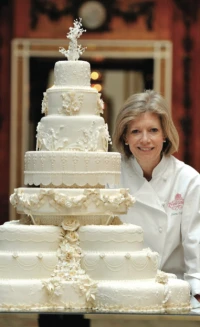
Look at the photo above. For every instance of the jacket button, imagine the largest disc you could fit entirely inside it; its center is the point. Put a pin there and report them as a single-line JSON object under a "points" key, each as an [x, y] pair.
{"points": [[160, 229]]}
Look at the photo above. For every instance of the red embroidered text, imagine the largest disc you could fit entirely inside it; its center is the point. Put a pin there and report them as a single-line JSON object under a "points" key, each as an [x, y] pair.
{"points": [[177, 203]]}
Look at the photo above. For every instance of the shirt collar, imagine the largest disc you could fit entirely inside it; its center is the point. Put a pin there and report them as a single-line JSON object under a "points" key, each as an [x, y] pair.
{"points": [[161, 168]]}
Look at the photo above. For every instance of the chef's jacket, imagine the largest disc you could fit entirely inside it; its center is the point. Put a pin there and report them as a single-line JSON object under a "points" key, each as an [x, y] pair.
{"points": [[168, 209]]}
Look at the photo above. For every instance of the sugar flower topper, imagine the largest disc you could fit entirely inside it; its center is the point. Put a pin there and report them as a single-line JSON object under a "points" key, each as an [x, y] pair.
{"points": [[74, 50]]}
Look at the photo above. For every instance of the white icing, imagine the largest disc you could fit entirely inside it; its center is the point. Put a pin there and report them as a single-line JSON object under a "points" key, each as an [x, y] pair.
{"points": [[33, 201], [120, 265], [72, 73], [82, 133], [45, 103], [179, 294], [31, 295], [130, 296], [72, 168], [111, 238], [145, 296], [73, 101], [15, 236], [27, 264], [69, 286]]}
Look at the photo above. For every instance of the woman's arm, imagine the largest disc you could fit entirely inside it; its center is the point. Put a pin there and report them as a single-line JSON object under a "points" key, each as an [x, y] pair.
{"points": [[190, 232]]}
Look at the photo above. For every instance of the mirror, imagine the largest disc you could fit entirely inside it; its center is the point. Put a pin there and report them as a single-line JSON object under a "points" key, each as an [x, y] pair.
{"points": [[125, 67]]}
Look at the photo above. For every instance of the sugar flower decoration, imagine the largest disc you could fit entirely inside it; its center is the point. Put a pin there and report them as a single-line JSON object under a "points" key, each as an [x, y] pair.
{"points": [[74, 50], [161, 277]]}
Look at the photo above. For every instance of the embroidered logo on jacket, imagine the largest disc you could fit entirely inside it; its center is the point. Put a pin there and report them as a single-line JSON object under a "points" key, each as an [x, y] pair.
{"points": [[177, 203]]}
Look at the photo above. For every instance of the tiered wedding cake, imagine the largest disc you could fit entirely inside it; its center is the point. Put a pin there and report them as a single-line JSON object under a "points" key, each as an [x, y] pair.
{"points": [[70, 250]]}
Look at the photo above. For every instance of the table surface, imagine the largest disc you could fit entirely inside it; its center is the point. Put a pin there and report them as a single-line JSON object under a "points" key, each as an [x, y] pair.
{"points": [[193, 315]]}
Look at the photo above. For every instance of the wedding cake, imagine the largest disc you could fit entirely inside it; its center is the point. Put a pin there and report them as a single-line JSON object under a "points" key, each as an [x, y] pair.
{"points": [[69, 249]]}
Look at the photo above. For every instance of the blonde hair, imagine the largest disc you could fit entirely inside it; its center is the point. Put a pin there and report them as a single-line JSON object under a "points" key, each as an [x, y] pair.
{"points": [[137, 104]]}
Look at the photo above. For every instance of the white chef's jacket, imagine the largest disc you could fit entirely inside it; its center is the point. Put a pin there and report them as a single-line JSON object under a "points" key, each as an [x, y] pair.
{"points": [[168, 210]]}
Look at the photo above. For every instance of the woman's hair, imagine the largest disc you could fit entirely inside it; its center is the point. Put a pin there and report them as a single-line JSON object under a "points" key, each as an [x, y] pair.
{"points": [[136, 104]]}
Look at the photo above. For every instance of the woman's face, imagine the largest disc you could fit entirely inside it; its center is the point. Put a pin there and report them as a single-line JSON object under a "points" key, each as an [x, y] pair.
{"points": [[145, 138]]}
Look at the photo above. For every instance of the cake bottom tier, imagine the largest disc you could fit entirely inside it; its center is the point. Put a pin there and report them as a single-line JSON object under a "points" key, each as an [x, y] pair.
{"points": [[143, 296], [31, 295], [110, 296]]}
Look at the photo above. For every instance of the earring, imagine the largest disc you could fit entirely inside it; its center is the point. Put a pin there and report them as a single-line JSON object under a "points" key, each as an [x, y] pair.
{"points": [[126, 143], [164, 141]]}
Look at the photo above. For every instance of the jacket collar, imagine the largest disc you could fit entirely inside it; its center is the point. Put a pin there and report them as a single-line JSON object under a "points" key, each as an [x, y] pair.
{"points": [[161, 169]]}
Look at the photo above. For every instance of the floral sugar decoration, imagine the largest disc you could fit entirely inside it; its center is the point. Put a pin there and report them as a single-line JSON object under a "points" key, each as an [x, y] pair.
{"points": [[69, 266], [74, 50], [161, 277], [70, 225]]}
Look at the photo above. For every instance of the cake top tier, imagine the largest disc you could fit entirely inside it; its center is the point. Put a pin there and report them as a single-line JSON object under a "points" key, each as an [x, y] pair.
{"points": [[74, 50], [72, 74]]}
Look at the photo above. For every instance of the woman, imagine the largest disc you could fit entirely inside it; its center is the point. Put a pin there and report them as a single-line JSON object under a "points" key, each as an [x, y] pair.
{"points": [[166, 190]]}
